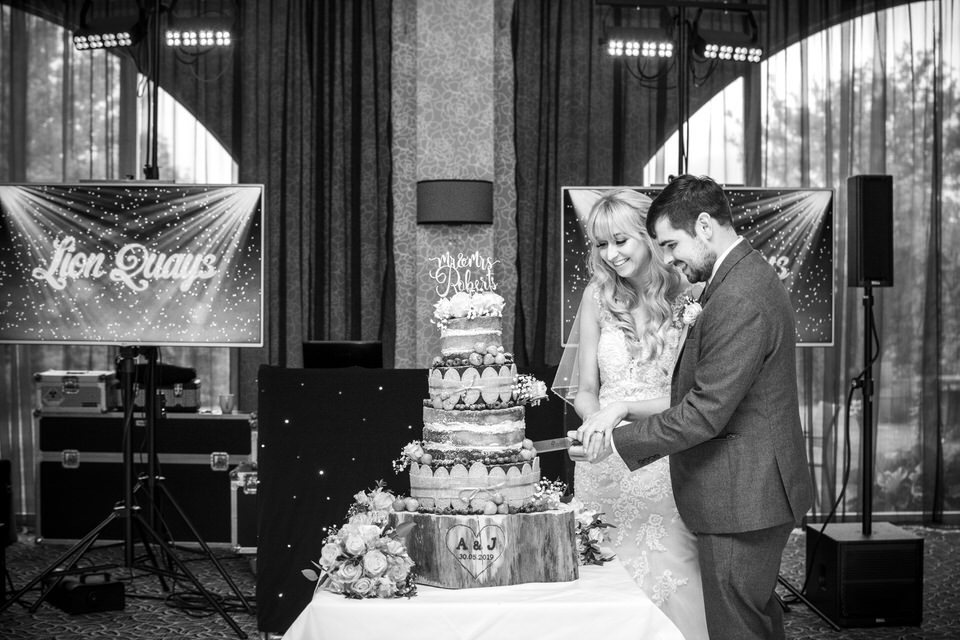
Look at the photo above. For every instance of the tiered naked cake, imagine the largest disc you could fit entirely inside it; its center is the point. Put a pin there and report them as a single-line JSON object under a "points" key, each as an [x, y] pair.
{"points": [[474, 477]]}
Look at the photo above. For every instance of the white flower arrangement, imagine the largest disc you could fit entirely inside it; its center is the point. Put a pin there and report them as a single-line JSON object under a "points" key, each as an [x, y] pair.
{"points": [[366, 558], [591, 534], [468, 305], [528, 390]]}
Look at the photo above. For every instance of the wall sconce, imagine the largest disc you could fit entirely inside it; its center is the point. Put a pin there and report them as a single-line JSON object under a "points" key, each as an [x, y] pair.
{"points": [[454, 202]]}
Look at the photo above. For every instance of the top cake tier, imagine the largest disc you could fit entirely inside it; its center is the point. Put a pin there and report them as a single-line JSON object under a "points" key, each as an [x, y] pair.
{"points": [[461, 336]]}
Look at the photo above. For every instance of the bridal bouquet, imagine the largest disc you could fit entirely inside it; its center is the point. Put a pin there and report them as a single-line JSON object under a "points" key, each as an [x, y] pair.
{"points": [[366, 557]]}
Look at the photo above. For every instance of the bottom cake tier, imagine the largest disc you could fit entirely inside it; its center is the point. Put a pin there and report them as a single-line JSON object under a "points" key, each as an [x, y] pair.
{"points": [[469, 551]]}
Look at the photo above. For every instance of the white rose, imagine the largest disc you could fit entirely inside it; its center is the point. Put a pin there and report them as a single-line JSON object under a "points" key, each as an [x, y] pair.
{"points": [[369, 533], [382, 500], [413, 451], [395, 547], [334, 585], [329, 554], [361, 498], [385, 588], [399, 569], [362, 586], [354, 545], [690, 313], [585, 517], [374, 563], [348, 572], [460, 305], [441, 310], [361, 518]]}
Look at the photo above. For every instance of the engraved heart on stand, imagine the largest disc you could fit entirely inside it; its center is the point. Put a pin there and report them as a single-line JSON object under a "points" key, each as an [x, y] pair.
{"points": [[476, 551]]}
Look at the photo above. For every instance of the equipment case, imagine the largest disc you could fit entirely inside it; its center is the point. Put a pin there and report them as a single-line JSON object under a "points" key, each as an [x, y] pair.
{"points": [[80, 472], [76, 391], [243, 508]]}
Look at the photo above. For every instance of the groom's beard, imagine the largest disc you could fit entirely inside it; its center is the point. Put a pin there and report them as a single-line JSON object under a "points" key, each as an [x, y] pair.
{"points": [[700, 268]]}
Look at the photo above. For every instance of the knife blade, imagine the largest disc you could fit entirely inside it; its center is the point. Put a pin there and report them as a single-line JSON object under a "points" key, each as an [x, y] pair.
{"points": [[554, 444]]}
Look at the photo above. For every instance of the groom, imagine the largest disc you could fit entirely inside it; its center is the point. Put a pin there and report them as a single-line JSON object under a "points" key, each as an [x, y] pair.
{"points": [[737, 459]]}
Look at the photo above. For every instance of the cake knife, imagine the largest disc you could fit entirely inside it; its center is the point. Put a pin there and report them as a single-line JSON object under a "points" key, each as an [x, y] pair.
{"points": [[554, 444]]}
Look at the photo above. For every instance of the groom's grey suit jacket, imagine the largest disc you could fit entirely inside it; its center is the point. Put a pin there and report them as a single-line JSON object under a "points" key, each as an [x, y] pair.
{"points": [[733, 434]]}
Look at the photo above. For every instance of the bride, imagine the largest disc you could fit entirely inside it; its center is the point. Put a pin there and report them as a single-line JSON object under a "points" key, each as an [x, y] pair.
{"points": [[629, 334]]}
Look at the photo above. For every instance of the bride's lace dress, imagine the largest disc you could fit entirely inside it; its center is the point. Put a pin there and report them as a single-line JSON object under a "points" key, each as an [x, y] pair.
{"points": [[650, 538]]}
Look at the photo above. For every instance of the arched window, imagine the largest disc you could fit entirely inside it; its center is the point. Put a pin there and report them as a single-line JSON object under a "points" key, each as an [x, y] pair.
{"points": [[878, 94], [66, 116]]}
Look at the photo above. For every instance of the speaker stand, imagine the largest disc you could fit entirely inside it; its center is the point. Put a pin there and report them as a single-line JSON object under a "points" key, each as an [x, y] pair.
{"points": [[131, 513], [799, 596]]}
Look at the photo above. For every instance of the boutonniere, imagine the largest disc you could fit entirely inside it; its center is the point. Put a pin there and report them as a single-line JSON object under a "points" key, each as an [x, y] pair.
{"points": [[686, 311]]}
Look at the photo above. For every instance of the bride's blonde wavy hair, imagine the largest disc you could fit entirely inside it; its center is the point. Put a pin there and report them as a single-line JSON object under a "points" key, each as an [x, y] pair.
{"points": [[624, 211]]}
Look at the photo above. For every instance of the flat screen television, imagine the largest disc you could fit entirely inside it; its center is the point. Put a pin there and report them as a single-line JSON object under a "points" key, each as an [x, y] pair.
{"points": [[131, 263], [791, 228]]}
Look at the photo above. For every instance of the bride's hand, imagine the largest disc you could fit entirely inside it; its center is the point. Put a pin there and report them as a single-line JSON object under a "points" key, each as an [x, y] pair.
{"points": [[602, 422]]}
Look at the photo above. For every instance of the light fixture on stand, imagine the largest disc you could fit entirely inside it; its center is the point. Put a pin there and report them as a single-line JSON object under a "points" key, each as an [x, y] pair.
{"points": [[719, 32], [737, 41], [199, 32], [639, 42], [108, 30]]}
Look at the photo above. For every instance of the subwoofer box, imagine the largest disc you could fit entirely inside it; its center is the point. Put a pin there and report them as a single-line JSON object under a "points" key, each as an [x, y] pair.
{"points": [[866, 581], [87, 593]]}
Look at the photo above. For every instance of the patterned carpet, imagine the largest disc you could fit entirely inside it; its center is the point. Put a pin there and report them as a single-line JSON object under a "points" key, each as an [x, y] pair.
{"points": [[148, 615]]}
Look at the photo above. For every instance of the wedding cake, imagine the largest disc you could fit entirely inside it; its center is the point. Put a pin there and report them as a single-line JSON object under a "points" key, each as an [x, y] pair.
{"points": [[475, 476]]}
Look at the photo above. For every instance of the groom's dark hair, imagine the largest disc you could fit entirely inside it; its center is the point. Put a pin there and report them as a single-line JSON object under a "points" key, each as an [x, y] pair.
{"points": [[682, 200]]}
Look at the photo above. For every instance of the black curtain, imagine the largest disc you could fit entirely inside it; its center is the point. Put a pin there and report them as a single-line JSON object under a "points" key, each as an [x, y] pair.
{"points": [[309, 88]]}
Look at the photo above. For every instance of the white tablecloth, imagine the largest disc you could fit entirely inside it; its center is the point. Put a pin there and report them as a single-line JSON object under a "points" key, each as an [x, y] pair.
{"points": [[603, 603]]}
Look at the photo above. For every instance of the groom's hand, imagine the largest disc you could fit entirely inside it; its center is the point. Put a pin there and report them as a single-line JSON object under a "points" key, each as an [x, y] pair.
{"points": [[579, 452]]}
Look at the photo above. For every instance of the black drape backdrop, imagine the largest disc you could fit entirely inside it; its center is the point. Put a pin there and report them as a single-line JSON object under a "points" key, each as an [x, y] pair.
{"points": [[304, 106]]}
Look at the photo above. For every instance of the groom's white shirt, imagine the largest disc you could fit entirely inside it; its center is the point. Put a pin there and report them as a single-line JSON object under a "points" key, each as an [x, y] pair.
{"points": [[683, 334]]}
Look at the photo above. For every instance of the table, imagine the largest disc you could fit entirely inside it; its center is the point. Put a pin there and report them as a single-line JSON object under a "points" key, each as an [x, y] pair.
{"points": [[604, 603]]}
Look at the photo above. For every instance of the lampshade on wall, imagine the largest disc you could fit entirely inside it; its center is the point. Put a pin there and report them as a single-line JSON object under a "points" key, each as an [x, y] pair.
{"points": [[454, 201]]}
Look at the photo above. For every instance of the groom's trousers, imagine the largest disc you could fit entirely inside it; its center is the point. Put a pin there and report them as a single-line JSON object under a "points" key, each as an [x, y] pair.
{"points": [[739, 573]]}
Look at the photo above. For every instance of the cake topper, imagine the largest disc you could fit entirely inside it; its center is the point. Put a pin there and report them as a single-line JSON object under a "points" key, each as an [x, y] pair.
{"points": [[470, 273]]}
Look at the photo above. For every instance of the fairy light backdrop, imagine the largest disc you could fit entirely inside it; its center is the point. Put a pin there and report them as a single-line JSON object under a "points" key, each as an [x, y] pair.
{"points": [[791, 228], [131, 263]]}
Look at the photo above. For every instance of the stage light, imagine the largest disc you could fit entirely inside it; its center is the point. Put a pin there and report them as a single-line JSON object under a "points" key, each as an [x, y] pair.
{"points": [[107, 33], [738, 41], [199, 33], [639, 42]]}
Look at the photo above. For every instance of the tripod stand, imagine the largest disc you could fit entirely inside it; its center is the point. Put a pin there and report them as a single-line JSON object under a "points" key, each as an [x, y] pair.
{"points": [[130, 512]]}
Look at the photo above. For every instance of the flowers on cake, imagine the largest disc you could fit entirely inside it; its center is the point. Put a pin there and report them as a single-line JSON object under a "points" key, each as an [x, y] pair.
{"points": [[412, 452], [686, 310], [591, 534], [366, 558], [529, 390], [464, 304]]}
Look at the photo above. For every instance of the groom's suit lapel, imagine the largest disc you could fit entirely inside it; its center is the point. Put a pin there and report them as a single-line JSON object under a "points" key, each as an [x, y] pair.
{"points": [[738, 253]]}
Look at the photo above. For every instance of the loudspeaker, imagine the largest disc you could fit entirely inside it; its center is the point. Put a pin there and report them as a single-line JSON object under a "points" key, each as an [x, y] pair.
{"points": [[866, 581], [870, 230]]}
